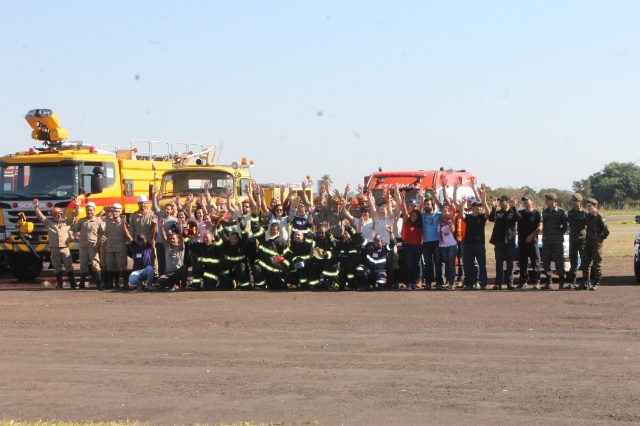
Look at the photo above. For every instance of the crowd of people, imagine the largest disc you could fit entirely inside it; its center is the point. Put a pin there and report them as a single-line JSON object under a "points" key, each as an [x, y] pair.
{"points": [[333, 242]]}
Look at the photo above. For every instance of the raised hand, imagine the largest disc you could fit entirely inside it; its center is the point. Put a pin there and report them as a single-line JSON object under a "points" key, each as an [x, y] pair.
{"points": [[36, 204]]}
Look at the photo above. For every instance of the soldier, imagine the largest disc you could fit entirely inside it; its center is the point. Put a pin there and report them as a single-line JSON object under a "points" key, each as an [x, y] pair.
{"points": [[91, 229], [116, 249], [58, 232], [577, 234], [597, 231], [554, 225]]}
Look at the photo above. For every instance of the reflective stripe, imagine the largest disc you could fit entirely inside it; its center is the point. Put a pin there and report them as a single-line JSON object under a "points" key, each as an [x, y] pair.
{"points": [[379, 261], [208, 260], [234, 258], [209, 275], [330, 274], [261, 283], [246, 284], [267, 267], [268, 251]]}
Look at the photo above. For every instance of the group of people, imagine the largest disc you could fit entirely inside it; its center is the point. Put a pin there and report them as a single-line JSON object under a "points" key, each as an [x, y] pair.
{"points": [[332, 242]]}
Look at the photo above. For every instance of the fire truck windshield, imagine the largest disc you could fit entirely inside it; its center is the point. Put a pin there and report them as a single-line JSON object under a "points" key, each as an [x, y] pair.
{"points": [[38, 181], [194, 182]]}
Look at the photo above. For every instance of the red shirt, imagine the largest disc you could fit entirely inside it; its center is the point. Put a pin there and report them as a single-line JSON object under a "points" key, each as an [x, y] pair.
{"points": [[411, 234]]}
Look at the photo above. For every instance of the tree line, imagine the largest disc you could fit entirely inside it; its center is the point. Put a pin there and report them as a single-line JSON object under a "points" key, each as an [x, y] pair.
{"points": [[616, 185]]}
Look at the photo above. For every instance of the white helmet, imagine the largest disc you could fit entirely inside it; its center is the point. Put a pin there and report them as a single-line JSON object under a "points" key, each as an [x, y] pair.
{"points": [[91, 204], [142, 199], [116, 207]]}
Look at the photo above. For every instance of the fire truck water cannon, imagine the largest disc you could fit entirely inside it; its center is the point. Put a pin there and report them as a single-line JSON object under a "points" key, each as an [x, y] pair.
{"points": [[46, 126], [24, 226]]}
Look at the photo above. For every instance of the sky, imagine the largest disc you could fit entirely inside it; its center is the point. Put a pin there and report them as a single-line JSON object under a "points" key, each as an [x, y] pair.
{"points": [[519, 93]]}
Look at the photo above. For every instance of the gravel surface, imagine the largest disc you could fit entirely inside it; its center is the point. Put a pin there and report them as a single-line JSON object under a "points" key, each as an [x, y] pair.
{"points": [[389, 358]]}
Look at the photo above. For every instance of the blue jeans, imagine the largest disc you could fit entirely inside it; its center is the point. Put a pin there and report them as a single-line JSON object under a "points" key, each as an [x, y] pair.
{"points": [[145, 275], [412, 253], [504, 253], [448, 256], [472, 253], [431, 257]]}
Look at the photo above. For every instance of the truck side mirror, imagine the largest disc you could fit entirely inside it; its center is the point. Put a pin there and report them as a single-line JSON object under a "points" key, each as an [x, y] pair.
{"points": [[97, 180]]}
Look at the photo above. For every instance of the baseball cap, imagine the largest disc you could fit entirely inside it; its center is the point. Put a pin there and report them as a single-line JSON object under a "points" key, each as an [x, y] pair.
{"points": [[471, 198], [503, 198], [476, 204], [527, 197]]}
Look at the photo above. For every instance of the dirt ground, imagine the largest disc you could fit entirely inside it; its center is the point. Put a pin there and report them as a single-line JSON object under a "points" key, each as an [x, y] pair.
{"points": [[378, 358]]}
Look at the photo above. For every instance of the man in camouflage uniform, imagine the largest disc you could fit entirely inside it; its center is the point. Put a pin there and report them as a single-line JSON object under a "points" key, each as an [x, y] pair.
{"points": [[577, 233], [91, 229], [554, 225], [597, 231], [58, 233]]}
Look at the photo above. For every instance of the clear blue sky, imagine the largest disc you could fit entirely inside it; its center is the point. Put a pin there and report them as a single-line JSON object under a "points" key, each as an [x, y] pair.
{"points": [[520, 93]]}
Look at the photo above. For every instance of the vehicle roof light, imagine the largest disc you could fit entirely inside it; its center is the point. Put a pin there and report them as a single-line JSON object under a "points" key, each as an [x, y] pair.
{"points": [[244, 161]]}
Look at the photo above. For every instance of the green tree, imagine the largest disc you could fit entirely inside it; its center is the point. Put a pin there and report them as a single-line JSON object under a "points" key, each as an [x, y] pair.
{"points": [[616, 182], [583, 187]]}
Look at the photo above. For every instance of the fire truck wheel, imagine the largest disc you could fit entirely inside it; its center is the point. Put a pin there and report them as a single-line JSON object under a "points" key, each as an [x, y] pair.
{"points": [[24, 267]]}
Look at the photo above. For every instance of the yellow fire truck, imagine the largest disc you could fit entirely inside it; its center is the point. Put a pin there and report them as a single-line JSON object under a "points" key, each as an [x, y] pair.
{"points": [[61, 170], [199, 171]]}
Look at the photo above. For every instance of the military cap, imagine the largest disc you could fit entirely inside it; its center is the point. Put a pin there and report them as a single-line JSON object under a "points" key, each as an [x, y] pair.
{"points": [[577, 197], [592, 201], [551, 196]]}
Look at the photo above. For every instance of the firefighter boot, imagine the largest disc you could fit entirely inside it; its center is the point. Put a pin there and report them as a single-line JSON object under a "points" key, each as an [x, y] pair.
{"points": [[83, 280], [59, 280], [97, 277], [72, 280]]}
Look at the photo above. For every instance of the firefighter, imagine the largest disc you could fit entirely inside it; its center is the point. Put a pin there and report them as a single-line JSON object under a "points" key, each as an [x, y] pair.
{"points": [[373, 273], [234, 271], [296, 260], [323, 268], [206, 269], [58, 232], [91, 230], [349, 251], [267, 269], [116, 249]]}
